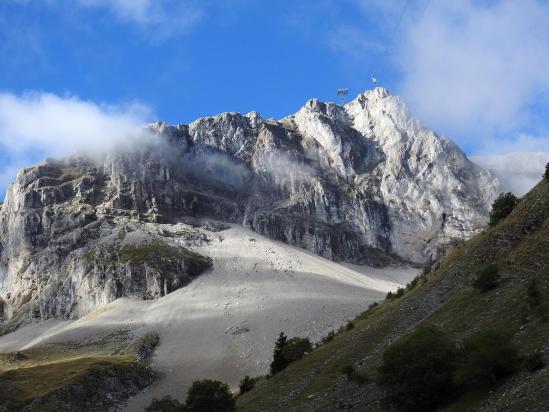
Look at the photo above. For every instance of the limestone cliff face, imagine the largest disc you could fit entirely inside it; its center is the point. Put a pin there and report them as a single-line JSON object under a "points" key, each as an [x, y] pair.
{"points": [[362, 183], [65, 249]]}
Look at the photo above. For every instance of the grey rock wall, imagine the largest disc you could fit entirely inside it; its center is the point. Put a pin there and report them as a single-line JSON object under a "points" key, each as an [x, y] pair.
{"points": [[362, 183]]}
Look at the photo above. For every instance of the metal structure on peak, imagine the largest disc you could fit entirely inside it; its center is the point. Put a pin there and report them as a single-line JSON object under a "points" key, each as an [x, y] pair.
{"points": [[343, 92]]}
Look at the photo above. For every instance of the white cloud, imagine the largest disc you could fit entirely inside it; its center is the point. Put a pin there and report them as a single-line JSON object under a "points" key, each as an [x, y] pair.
{"points": [[519, 164], [476, 67], [43, 124], [64, 124], [518, 172], [477, 70], [163, 18]]}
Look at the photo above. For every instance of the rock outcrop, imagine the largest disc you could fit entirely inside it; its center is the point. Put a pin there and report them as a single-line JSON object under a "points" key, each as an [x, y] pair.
{"points": [[362, 183]]}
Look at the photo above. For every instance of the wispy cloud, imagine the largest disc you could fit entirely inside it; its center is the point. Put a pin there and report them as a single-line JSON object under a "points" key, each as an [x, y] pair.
{"points": [[478, 67], [480, 71], [354, 42], [519, 164], [159, 18], [518, 172], [35, 125]]}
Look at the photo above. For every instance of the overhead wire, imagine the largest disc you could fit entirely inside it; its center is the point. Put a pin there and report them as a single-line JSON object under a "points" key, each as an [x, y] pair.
{"points": [[397, 26]]}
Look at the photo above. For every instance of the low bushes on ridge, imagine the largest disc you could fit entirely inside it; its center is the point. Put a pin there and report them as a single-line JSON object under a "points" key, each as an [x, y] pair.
{"points": [[424, 369]]}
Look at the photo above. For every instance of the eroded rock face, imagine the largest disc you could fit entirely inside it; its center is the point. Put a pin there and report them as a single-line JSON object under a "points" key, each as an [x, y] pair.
{"points": [[66, 249], [362, 183]]}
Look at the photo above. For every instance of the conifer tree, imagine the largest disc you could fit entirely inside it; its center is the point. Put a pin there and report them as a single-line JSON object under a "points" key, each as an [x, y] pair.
{"points": [[279, 362]]}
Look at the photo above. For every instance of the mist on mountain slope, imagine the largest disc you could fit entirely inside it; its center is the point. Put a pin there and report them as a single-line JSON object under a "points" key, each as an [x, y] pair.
{"points": [[64, 125]]}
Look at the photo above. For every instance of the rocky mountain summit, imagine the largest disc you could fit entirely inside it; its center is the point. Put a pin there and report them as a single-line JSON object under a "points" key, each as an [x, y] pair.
{"points": [[363, 183]]}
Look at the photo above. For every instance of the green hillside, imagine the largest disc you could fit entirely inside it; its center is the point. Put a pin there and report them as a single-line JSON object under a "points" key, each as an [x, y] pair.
{"points": [[446, 300], [93, 376]]}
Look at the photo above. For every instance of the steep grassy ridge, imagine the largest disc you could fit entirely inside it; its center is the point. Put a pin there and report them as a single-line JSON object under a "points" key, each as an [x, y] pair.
{"points": [[444, 299]]}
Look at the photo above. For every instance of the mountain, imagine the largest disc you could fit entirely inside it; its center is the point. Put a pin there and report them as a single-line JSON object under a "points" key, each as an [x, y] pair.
{"points": [[517, 308], [361, 183], [221, 326]]}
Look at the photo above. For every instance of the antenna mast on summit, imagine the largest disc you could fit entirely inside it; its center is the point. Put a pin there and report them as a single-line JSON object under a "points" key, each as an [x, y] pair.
{"points": [[343, 92]]}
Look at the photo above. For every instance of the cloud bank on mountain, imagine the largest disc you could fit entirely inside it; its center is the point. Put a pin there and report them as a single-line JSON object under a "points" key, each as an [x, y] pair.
{"points": [[36, 124]]}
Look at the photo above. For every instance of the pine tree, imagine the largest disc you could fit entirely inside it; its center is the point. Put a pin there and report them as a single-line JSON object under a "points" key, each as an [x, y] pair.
{"points": [[246, 384], [279, 362], [546, 174]]}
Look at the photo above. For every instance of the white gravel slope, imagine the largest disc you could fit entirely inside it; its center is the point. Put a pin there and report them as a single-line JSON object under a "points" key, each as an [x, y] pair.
{"points": [[224, 324]]}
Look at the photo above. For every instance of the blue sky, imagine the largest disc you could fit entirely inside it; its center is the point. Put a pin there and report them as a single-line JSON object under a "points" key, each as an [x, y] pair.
{"points": [[477, 71], [262, 55]]}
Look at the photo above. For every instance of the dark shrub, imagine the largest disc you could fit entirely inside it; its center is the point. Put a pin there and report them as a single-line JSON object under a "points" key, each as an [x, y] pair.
{"points": [[353, 375], [533, 362], [288, 351], [209, 396], [373, 305], [413, 283], [246, 384], [399, 292], [421, 276], [279, 363], [329, 337], [166, 404], [346, 327], [417, 369], [502, 207], [295, 349], [486, 357], [487, 278], [348, 370]]}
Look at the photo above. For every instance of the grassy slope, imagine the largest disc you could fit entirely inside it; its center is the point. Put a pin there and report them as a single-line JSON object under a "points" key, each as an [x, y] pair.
{"points": [[519, 244], [67, 376], [25, 384]]}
